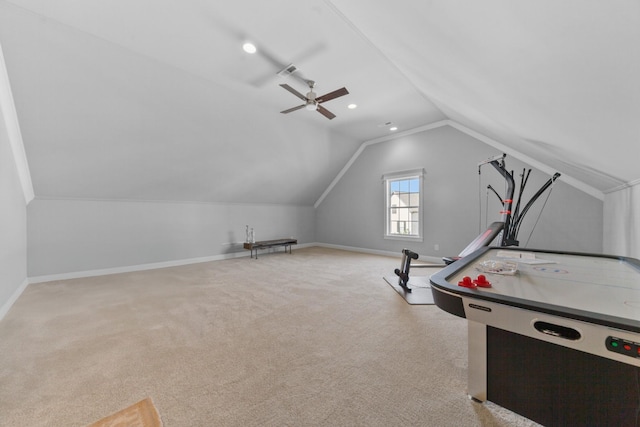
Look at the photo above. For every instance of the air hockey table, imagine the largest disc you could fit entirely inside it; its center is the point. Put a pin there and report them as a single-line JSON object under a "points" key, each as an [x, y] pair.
{"points": [[552, 336]]}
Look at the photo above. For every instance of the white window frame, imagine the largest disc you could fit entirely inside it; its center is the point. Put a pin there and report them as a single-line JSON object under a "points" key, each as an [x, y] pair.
{"points": [[386, 181]]}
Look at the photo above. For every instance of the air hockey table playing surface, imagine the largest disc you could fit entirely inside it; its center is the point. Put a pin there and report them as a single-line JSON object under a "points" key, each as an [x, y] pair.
{"points": [[571, 320]]}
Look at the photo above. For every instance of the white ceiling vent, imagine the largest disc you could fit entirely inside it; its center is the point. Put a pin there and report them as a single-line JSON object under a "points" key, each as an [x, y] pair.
{"points": [[288, 70]]}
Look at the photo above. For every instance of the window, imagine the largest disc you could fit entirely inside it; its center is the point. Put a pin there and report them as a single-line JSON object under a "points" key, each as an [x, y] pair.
{"points": [[403, 204]]}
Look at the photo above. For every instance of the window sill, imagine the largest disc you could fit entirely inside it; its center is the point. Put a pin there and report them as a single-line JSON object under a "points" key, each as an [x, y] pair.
{"points": [[405, 238]]}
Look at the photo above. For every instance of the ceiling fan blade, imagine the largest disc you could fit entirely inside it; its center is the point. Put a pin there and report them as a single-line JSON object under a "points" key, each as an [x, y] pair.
{"points": [[293, 109], [328, 114], [293, 91], [333, 95]]}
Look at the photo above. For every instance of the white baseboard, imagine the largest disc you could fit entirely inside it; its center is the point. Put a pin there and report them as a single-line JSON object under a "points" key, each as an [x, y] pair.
{"points": [[142, 267], [13, 298], [176, 263]]}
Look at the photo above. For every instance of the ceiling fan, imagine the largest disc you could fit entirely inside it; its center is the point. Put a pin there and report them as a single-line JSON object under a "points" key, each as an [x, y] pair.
{"points": [[312, 102]]}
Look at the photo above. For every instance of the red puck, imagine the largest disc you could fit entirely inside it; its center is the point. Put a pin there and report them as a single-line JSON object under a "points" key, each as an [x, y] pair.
{"points": [[482, 281], [466, 282]]}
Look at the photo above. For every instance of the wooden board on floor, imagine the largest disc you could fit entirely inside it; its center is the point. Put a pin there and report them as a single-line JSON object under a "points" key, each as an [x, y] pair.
{"points": [[420, 290], [141, 414]]}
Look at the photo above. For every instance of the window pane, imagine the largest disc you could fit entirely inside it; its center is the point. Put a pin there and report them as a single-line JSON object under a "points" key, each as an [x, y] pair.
{"points": [[414, 227], [414, 185], [403, 222]]}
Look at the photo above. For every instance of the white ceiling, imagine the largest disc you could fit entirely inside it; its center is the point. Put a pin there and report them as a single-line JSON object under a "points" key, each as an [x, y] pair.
{"points": [[155, 99]]}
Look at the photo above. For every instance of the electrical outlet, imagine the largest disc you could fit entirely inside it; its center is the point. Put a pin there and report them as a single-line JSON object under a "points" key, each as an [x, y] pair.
{"points": [[436, 247]]}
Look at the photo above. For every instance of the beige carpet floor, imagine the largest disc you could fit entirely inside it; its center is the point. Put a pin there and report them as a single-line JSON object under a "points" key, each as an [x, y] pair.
{"points": [[316, 338]]}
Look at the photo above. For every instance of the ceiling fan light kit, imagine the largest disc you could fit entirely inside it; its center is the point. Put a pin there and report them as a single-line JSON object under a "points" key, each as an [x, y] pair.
{"points": [[312, 102]]}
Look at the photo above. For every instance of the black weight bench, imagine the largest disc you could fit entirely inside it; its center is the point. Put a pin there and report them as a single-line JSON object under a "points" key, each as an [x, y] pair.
{"points": [[270, 244]]}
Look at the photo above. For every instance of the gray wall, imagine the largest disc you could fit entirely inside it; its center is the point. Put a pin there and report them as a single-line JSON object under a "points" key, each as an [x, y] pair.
{"points": [[352, 213], [13, 227], [70, 236], [622, 222]]}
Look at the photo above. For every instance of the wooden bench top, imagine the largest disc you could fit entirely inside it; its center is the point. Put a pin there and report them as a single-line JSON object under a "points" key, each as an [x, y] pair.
{"points": [[267, 243]]}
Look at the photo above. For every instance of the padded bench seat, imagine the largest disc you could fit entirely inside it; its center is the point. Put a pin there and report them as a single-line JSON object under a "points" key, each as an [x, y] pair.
{"points": [[270, 244]]}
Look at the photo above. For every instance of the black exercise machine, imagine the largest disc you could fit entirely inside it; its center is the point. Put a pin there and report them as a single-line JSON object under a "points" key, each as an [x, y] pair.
{"points": [[483, 239], [509, 225], [512, 218]]}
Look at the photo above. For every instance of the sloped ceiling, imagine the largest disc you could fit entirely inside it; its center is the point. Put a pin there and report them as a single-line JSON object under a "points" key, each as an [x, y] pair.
{"points": [[556, 81], [155, 100]]}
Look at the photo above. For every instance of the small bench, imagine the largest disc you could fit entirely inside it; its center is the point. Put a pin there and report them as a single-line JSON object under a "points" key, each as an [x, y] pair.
{"points": [[270, 244]]}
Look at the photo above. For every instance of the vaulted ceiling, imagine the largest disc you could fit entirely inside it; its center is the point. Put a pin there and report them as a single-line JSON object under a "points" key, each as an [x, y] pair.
{"points": [[156, 100]]}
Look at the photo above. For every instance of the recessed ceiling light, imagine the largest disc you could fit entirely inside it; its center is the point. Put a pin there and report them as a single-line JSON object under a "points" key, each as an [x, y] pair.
{"points": [[392, 128], [352, 106], [249, 47]]}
